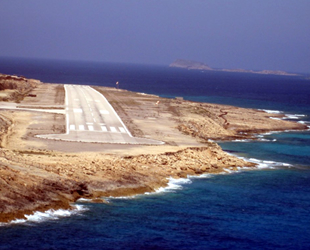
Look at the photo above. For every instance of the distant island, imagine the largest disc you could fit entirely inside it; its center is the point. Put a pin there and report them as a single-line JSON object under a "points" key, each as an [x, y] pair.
{"points": [[188, 64]]}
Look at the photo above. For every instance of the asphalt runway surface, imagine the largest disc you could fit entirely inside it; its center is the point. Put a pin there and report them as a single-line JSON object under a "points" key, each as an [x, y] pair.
{"points": [[91, 118]]}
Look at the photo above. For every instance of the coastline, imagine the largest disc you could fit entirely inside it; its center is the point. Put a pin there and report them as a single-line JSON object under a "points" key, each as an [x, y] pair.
{"points": [[44, 174]]}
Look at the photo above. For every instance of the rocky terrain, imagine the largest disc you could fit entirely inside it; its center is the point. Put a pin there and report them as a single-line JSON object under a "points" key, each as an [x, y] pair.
{"points": [[38, 174], [15, 88]]}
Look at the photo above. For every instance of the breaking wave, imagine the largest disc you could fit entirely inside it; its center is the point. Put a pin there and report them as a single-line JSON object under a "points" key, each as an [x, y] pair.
{"points": [[51, 214]]}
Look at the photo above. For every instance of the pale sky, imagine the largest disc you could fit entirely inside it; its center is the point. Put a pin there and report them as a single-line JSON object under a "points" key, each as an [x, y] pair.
{"points": [[250, 34]]}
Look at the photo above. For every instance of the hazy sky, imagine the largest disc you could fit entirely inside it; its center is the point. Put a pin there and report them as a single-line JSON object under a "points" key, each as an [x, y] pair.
{"points": [[251, 34]]}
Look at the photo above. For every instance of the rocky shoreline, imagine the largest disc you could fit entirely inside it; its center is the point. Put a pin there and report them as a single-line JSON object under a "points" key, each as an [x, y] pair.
{"points": [[28, 186], [38, 174]]}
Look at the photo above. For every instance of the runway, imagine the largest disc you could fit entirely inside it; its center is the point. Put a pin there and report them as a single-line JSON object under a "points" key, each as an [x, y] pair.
{"points": [[91, 118]]}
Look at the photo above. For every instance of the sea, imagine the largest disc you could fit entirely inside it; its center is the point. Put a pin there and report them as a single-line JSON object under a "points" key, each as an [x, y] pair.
{"points": [[265, 208]]}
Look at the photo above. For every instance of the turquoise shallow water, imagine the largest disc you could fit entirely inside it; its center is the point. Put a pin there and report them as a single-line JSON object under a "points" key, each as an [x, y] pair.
{"points": [[262, 209], [289, 147]]}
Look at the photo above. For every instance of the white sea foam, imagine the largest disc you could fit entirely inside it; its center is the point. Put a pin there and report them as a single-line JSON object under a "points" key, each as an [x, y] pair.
{"points": [[173, 184], [242, 140], [286, 116], [50, 214], [272, 132], [201, 176], [272, 111], [293, 116], [261, 164], [84, 200], [121, 197], [267, 140]]}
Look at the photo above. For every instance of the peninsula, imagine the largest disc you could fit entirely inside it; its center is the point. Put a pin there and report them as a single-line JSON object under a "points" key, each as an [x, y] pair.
{"points": [[38, 172], [188, 64]]}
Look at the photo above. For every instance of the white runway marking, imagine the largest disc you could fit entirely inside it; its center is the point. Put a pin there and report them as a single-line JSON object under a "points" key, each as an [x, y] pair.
{"points": [[113, 129], [91, 128], [72, 127], [77, 110], [122, 130], [104, 129], [81, 127], [104, 112], [89, 123]]}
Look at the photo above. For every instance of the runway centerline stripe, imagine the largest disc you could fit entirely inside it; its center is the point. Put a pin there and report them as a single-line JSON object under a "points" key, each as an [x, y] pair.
{"points": [[122, 130]]}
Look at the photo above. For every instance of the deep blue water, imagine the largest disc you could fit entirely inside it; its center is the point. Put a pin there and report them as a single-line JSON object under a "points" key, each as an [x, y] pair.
{"points": [[262, 209]]}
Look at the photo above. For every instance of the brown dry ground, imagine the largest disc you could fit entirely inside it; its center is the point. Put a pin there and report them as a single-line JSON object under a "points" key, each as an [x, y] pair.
{"points": [[38, 174]]}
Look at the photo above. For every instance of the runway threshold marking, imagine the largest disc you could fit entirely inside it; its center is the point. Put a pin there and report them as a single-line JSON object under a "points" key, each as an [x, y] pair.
{"points": [[113, 129], [77, 110], [104, 129], [81, 127], [72, 127], [104, 112], [122, 130]]}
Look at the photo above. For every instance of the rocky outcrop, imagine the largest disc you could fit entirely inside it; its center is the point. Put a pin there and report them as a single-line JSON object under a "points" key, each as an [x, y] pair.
{"points": [[222, 122], [22, 193], [20, 87]]}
